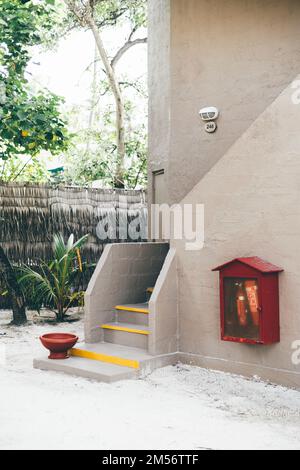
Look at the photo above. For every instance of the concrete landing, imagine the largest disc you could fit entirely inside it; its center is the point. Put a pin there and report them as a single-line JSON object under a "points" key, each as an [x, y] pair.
{"points": [[106, 362], [81, 367]]}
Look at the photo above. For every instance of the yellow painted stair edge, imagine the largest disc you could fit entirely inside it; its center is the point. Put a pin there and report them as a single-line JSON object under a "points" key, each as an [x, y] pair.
{"points": [[118, 361], [131, 309], [123, 328]]}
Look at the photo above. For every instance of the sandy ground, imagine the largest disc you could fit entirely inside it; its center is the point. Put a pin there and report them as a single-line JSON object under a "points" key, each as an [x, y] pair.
{"points": [[178, 407]]}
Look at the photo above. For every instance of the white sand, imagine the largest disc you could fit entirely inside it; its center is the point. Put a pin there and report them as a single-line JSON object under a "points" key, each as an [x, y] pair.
{"points": [[179, 407]]}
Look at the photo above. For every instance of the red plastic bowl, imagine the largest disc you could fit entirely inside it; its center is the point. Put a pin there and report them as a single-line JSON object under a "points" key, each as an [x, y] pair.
{"points": [[58, 344]]}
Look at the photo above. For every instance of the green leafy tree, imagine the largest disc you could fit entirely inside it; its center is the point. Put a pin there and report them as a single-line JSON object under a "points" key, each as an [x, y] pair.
{"points": [[29, 122]]}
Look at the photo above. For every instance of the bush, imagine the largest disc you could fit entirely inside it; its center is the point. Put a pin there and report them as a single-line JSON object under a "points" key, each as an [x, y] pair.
{"points": [[53, 285]]}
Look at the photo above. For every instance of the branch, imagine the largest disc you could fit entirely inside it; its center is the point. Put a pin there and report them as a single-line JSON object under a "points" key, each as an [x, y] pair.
{"points": [[3, 168], [139, 172], [112, 18], [121, 83], [128, 45], [134, 29], [134, 86], [15, 176], [93, 63], [78, 12]]}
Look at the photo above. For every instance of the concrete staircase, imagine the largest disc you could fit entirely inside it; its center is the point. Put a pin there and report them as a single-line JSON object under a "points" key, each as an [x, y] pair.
{"points": [[122, 355], [130, 326], [130, 329]]}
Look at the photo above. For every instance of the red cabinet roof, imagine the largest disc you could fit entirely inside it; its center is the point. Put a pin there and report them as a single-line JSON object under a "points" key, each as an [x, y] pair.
{"points": [[255, 263]]}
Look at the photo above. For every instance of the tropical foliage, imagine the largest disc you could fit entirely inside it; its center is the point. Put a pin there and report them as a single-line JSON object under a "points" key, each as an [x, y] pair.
{"points": [[53, 285]]}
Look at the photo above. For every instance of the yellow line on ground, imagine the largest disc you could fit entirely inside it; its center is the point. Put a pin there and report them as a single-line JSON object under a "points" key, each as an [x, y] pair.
{"points": [[123, 328], [119, 361], [131, 309]]}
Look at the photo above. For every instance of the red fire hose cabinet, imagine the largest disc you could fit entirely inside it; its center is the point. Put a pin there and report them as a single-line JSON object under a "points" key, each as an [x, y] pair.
{"points": [[249, 294]]}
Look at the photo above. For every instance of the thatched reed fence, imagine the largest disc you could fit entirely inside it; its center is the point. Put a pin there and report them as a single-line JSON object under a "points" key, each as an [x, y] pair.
{"points": [[31, 214]]}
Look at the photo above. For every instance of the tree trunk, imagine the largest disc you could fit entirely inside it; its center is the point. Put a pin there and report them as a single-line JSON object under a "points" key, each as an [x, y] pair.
{"points": [[93, 101], [120, 109], [15, 292], [60, 315]]}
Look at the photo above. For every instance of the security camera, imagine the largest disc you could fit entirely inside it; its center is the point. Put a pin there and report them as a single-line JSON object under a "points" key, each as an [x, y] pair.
{"points": [[209, 114]]}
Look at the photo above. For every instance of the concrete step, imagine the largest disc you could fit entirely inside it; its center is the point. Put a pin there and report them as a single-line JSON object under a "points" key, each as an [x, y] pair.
{"points": [[132, 318], [133, 313], [126, 334], [137, 308], [81, 367], [112, 353]]}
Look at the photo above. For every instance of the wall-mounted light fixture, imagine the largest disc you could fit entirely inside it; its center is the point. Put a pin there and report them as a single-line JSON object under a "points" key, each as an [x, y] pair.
{"points": [[209, 115]]}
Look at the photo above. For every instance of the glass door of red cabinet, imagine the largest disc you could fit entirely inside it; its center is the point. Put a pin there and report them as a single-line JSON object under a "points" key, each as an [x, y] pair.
{"points": [[242, 309]]}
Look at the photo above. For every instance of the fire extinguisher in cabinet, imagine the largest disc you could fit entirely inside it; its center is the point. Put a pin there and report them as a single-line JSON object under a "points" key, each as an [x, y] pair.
{"points": [[252, 294], [241, 306]]}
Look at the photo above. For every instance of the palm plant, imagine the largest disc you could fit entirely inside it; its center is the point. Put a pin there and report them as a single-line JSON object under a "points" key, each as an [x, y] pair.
{"points": [[52, 284]]}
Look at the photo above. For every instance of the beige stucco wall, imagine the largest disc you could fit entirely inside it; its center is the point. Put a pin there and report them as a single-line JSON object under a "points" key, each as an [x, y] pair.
{"points": [[159, 88], [234, 54], [252, 207]]}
